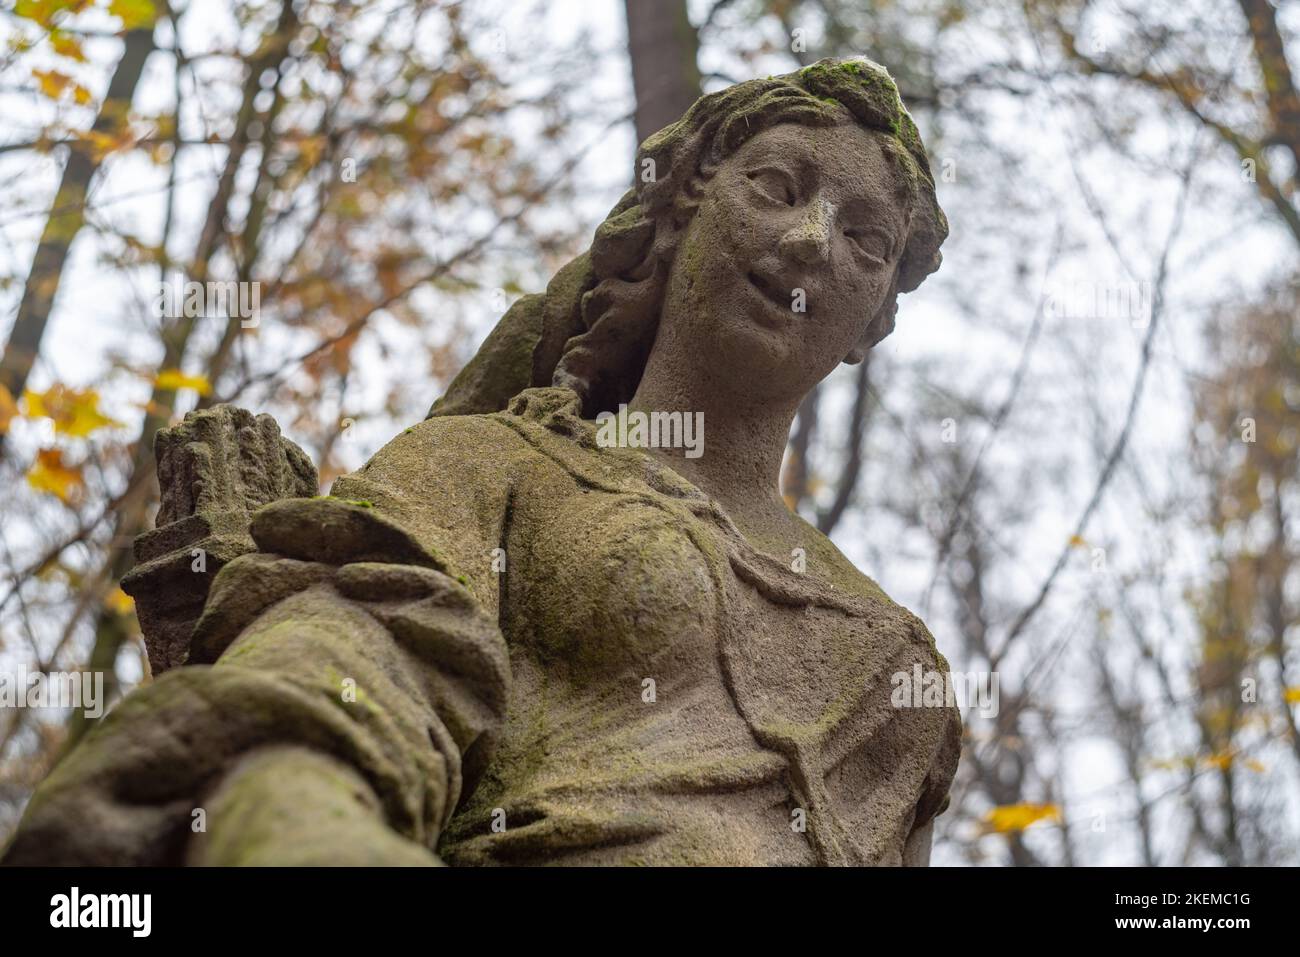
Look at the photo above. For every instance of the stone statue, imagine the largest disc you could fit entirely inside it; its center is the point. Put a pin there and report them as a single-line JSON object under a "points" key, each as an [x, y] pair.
{"points": [[506, 641]]}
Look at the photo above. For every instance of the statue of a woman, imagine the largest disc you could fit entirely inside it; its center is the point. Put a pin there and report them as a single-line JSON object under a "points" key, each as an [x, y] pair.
{"points": [[503, 641]]}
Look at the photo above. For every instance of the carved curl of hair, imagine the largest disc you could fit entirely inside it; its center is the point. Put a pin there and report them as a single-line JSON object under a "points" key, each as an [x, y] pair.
{"points": [[602, 310]]}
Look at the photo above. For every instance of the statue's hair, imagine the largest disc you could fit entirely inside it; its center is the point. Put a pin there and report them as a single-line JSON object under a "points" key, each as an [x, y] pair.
{"points": [[600, 313]]}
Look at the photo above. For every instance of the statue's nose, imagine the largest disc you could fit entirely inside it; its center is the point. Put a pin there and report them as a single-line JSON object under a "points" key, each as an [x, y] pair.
{"points": [[809, 241]]}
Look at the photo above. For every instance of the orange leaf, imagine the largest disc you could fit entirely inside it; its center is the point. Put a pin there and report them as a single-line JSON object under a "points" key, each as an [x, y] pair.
{"points": [[55, 84], [65, 44], [75, 411], [51, 476], [52, 82]]}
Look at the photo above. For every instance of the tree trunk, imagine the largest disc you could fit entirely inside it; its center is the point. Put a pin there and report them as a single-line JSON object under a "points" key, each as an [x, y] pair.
{"points": [[662, 46]]}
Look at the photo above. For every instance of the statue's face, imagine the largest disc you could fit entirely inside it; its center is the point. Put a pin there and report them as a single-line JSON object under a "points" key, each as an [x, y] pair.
{"points": [[789, 257]]}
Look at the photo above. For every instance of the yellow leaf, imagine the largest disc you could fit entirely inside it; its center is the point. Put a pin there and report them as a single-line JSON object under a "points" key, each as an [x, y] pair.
{"points": [[1255, 765], [133, 13], [1077, 541], [1017, 817], [43, 11], [119, 601], [51, 476], [65, 44], [52, 82], [1292, 695], [1223, 760], [176, 379], [75, 411], [102, 144]]}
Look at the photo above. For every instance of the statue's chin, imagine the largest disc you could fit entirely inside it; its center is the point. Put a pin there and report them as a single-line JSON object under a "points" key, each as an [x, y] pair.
{"points": [[752, 357]]}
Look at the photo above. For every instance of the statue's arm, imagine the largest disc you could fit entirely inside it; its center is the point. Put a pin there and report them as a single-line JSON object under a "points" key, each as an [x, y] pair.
{"points": [[342, 690]]}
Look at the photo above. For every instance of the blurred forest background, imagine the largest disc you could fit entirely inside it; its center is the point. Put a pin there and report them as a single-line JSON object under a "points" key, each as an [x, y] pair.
{"points": [[1076, 459]]}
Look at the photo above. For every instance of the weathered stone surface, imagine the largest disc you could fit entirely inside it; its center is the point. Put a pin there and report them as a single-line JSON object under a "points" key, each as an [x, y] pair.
{"points": [[214, 469], [226, 460], [504, 642]]}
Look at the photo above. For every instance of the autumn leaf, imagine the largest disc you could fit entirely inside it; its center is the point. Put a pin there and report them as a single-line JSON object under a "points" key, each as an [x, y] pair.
{"points": [[175, 379], [1017, 817], [75, 411], [1222, 760], [1078, 541], [134, 13], [102, 144], [55, 84], [51, 476], [1290, 695], [65, 44], [44, 11], [119, 602], [52, 82]]}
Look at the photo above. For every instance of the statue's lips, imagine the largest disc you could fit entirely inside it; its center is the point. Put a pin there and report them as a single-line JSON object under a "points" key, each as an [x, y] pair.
{"points": [[770, 291]]}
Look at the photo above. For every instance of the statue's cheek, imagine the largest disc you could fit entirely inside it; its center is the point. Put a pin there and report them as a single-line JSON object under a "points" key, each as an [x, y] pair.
{"points": [[739, 225], [862, 287]]}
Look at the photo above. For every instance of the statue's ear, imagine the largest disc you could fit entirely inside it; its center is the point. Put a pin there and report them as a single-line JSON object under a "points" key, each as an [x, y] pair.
{"points": [[881, 325]]}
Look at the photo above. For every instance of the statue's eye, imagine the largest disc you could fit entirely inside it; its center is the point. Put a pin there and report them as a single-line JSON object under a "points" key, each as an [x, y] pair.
{"points": [[774, 184], [868, 242]]}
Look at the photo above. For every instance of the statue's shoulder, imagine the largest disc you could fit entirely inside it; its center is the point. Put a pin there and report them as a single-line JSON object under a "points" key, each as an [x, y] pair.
{"points": [[479, 453], [823, 560], [459, 441]]}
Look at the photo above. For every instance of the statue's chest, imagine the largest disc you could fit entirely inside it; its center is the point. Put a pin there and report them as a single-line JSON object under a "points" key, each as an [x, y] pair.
{"points": [[608, 585], [606, 591], [612, 584]]}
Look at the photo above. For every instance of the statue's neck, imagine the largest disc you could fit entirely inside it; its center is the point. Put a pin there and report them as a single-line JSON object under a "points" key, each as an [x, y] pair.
{"points": [[739, 461]]}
